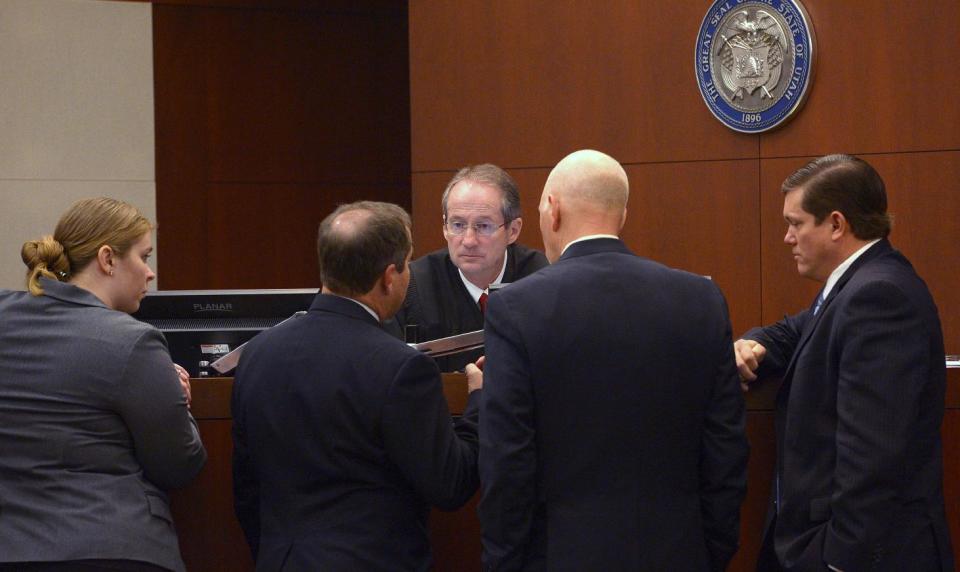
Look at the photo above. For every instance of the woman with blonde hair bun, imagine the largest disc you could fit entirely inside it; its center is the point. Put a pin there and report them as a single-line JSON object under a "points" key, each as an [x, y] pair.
{"points": [[95, 416]]}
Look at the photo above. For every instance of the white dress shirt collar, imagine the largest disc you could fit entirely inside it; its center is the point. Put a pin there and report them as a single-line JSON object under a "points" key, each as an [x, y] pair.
{"points": [[361, 304], [588, 237], [839, 270]]}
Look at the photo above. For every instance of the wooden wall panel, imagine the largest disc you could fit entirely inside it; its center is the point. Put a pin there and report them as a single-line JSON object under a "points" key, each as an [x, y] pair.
{"points": [[180, 100], [701, 217], [210, 536], [753, 513], [267, 118], [882, 84], [922, 190], [455, 538], [276, 243], [522, 84], [426, 190], [299, 97]]}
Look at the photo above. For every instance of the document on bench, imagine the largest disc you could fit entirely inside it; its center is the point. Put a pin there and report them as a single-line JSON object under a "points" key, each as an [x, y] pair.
{"points": [[452, 345]]}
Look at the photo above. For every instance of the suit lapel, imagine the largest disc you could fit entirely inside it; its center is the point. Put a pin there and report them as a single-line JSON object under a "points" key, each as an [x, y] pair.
{"points": [[510, 272], [873, 252]]}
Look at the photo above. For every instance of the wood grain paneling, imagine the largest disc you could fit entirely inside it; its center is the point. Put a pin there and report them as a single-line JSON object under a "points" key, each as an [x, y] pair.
{"points": [[266, 238], [306, 96], [924, 195], [267, 118], [455, 538], [701, 217], [881, 84], [753, 513], [210, 536], [180, 99], [921, 189], [522, 84]]}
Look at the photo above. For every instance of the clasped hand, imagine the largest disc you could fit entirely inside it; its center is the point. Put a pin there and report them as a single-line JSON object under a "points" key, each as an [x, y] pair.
{"points": [[749, 354]]}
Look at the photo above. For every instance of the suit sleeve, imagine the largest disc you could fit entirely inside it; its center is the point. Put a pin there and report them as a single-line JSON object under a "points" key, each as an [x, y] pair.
{"points": [[246, 485], [723, 457], [508, 453], [884, 360], [780, 340], [439, 461], [154, 408]]}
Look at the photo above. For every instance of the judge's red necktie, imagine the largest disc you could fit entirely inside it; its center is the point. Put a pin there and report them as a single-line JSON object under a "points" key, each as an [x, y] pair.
{"points": [[483, 302]]}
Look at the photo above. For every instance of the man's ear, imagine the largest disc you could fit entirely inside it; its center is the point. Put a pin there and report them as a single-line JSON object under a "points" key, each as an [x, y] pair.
{"points": [[839, 225], [513, 230], [388, 280], [553, 210]]}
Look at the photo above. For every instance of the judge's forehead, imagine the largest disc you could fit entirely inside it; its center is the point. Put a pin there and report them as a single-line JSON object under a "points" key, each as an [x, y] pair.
{"points": [[468, 197]]}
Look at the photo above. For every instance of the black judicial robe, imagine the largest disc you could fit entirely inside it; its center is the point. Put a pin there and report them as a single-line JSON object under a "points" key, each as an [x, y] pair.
{"points": [[439, 305]]}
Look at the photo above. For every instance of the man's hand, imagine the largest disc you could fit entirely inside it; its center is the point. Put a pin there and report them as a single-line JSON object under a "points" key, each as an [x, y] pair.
{"points": [[474, 373], [749, 355]]}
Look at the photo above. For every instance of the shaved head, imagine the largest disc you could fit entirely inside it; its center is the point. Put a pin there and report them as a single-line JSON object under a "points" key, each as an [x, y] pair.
{"points": [[585, 194], [591, 177]]}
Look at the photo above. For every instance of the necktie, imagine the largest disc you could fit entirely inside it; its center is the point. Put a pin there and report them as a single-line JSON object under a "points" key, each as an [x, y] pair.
{"points": [[482, 302], [819, 303]]}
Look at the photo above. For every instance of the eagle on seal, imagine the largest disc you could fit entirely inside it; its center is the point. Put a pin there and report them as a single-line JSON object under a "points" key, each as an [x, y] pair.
{"points": [[751, 59]]}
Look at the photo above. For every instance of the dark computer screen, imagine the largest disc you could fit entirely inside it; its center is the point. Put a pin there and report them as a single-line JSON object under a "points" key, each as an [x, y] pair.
{"points": [[202, 325]]}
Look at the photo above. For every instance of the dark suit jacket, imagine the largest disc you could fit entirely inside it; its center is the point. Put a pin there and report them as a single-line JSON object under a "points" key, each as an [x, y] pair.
{"points": [[93, 428], [858, 423], [342, 440], [612, 424], [439, 304]]}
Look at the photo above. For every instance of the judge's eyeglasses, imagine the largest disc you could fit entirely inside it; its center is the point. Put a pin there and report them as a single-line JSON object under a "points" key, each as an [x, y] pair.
{"points": [[483, 228]]}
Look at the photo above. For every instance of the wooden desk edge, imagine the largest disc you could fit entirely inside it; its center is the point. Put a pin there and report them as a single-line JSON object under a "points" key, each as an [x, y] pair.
{"points": [[211, 395]]}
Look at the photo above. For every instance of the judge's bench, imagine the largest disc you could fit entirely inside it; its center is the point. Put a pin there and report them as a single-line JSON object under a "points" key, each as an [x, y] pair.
{"points": [[211, 540]]}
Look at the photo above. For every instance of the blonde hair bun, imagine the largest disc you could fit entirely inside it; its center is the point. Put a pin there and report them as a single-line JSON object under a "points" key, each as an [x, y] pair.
{"points": [[44, 257]]}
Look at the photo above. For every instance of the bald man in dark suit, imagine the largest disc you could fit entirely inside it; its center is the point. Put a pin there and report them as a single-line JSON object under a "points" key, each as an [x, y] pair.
{"points": [[612, 427]]}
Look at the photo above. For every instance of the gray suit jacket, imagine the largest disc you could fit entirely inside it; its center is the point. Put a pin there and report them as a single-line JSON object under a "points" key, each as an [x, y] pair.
{"points": [[94, 428]]}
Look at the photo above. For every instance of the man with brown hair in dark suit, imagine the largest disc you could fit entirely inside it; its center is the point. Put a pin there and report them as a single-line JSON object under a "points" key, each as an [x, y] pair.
{"points": [[859, 475], [342, 436]]}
